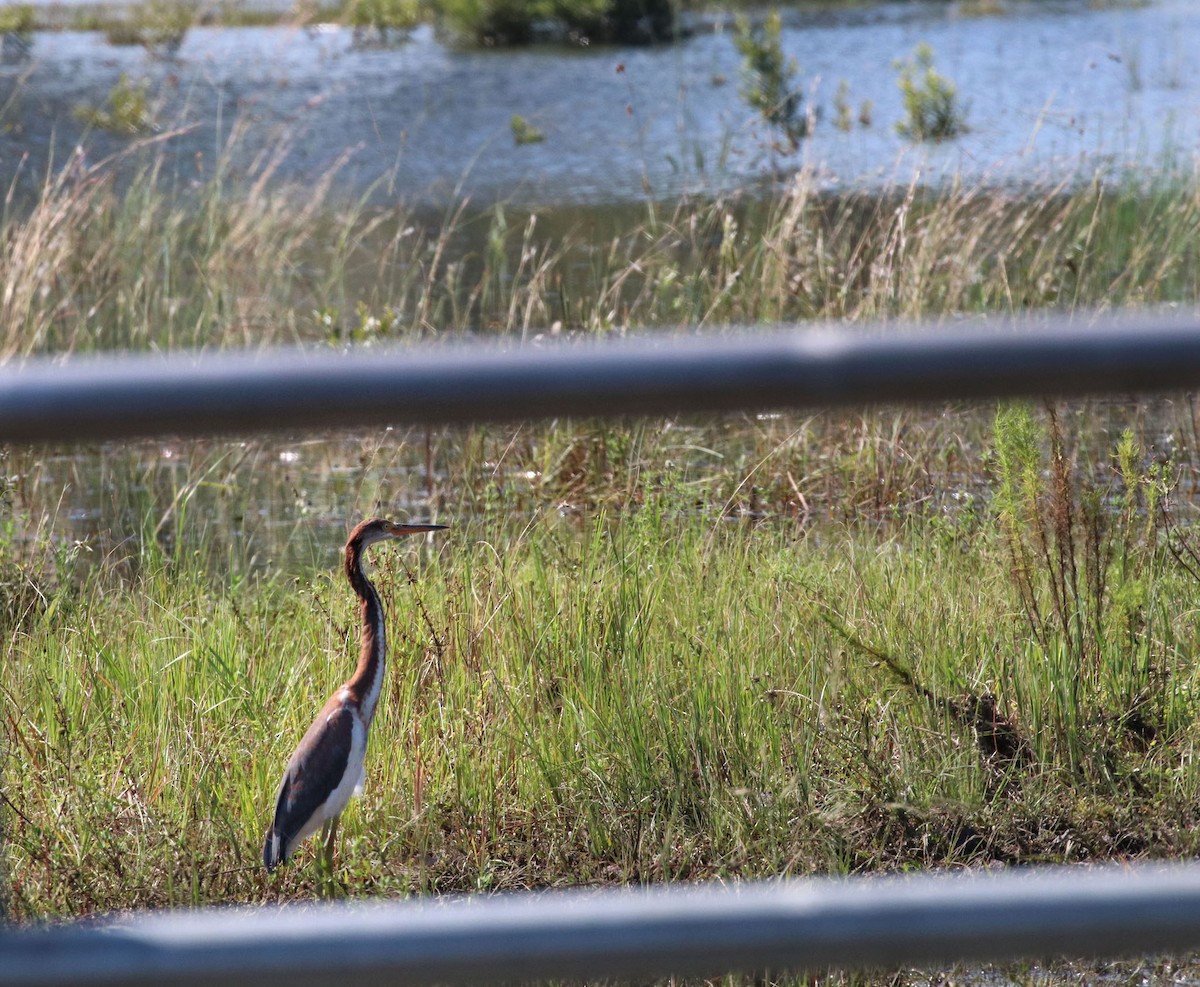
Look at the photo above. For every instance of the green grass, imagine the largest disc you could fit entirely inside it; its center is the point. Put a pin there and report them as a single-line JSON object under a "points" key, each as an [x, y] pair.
{"points": [[679, 649], [659, 693]]}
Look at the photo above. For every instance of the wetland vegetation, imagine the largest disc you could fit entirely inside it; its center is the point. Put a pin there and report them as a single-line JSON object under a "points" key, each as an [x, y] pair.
{"points": [[808, 688], [658, 650]]}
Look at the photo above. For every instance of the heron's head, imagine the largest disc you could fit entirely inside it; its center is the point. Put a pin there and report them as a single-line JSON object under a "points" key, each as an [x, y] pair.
{"points": [[380, 529]]}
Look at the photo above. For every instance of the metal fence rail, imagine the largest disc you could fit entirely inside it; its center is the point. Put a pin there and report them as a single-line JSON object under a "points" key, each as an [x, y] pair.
{"points": [[102, 398], [813, 925]]}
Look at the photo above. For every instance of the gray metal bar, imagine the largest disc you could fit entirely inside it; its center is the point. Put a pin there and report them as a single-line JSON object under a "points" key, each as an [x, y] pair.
{"points": [[643, 934], [115, 397]]}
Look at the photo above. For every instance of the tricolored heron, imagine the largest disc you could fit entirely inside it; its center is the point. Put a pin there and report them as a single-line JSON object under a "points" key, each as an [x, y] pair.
{"points": [[327, 768]]}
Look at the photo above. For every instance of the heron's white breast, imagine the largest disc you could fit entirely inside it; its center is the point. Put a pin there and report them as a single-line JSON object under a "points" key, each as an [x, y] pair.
{"points": [[352, 778]]}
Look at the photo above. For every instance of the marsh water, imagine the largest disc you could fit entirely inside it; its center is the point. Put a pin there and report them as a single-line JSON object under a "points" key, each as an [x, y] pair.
{"points": [[1053, 89], [281, 506]]}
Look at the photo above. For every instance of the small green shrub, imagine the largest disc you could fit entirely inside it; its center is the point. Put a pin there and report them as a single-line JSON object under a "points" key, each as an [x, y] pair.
{"points": [[1080, 553], [126, 111], [494, 22], [525, 132], [768, 76], [517, 22], [933, 112]]}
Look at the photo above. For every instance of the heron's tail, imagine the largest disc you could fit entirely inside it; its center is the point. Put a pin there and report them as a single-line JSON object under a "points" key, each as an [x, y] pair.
{"points": [[273, 848]]}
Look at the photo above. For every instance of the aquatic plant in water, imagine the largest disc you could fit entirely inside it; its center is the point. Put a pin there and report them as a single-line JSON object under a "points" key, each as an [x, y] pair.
{"points": [[931, 105], [768, 77], [126, 111], [525, 132]]}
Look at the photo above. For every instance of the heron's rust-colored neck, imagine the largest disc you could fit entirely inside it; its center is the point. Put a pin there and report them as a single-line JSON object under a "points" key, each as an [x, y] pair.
{"points": [[365, 685]]}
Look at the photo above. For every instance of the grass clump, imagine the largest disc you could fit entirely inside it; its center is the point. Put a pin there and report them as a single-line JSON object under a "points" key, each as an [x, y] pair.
{"points": [[931, 105], [17, 18]]}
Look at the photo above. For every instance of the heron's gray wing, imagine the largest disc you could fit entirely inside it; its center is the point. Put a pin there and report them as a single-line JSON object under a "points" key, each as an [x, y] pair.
{"points": [[315, 769]]}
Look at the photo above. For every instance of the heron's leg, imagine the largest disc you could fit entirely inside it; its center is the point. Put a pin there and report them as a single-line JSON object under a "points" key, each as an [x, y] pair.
{"points": [[330, 832], [326, 885]]}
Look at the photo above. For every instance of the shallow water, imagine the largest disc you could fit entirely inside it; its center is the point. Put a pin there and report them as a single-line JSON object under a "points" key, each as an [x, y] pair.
{"points": [[281, 507], [276, 507], [1053, 89]]}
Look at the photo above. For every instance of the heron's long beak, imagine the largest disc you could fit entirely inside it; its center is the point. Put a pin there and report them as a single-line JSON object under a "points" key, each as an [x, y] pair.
{"points": [[400, 530]]}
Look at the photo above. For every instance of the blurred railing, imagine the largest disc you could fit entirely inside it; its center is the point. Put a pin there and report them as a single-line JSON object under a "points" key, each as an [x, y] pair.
{"points": [[703, 931], [641, 935], [84, 399]]}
